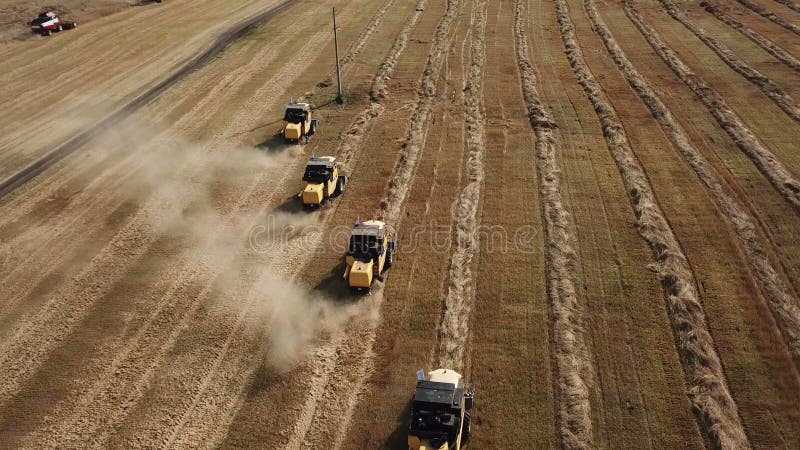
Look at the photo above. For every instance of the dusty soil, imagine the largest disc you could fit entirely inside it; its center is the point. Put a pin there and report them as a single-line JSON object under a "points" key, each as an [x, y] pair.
{"points": [[596, 205]]}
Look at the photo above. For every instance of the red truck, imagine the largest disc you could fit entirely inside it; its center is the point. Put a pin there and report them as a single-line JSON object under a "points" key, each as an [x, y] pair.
{"points": [[48, 22]]}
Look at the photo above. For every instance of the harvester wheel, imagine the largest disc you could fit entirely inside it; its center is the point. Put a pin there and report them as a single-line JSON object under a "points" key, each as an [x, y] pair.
{"points": [[389, 259], [60, 27], [467, 428], [46, 33], [341, 184]]}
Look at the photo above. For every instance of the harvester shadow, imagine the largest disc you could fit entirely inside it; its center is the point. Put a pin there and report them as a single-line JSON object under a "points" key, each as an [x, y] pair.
{"points": [[273, 145], [334, 287], [292, 205], [263, 125], [399, 437]]}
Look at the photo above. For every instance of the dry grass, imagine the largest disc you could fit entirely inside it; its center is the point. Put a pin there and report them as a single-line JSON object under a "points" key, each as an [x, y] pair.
{"points": [[767, 86], [156, 335], [794, 6], [781, 298], [764, 12], [709, 392], [570, 348], [460, 292], [508, 355], [783, 180], [769, 46]]}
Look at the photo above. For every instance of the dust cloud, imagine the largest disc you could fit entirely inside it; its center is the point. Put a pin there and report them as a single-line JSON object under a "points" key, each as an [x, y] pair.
{"points": [[203, 198]]}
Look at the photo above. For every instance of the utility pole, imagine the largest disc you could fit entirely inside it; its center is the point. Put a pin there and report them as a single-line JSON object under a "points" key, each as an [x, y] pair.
{"points": [[339, 98]]}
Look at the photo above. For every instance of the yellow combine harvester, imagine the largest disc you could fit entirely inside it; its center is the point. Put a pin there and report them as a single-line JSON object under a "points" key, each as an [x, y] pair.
{"points": [[369, 253], [322, 179], [440, 418], [298, 126]]}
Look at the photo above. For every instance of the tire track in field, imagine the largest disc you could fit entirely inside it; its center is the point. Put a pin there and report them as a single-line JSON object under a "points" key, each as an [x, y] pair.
{"points": [[571, 358], [709, 392], [767, 14], [342, 391], [767, 45], [460, 293], [767, 86], [781, 299], [780, 177]]}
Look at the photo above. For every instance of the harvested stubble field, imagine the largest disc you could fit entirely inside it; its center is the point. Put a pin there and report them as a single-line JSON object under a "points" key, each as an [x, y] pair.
{"points": [[597, 205]]}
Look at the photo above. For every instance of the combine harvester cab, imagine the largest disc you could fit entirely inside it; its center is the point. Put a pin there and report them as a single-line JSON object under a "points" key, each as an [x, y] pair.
{"points": [[369, 253], [322, 179], [298, 126], [49, 22], [440, 418]]}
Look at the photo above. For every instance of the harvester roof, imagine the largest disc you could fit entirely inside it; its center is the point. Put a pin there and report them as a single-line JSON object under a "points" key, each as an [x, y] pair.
{"points": [[370, 228], [328, 162], [298, 105], [443, 394], [319, 170]]}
